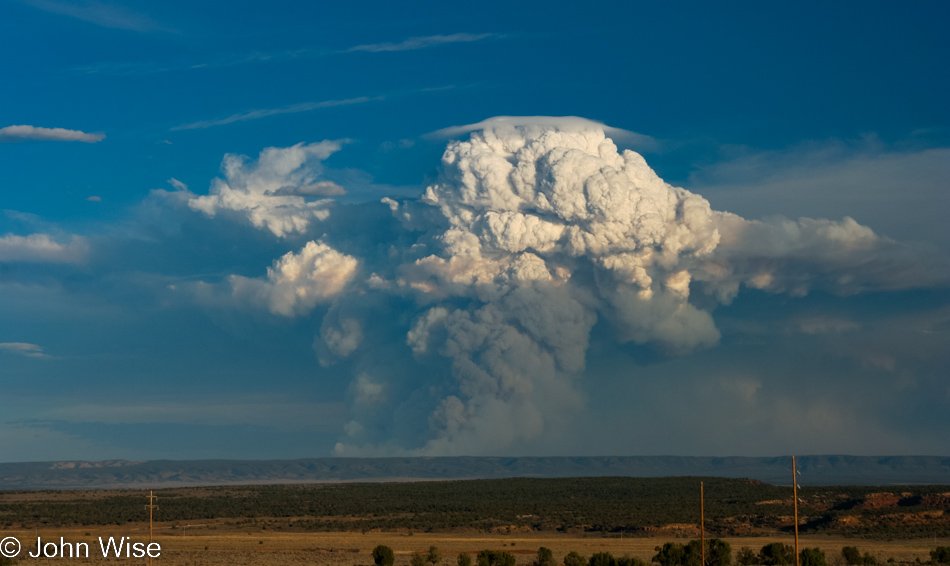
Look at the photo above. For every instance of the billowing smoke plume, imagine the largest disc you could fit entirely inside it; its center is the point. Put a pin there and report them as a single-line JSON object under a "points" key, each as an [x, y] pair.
{"points": [[298, 282], [531, 236], [272, 193]]}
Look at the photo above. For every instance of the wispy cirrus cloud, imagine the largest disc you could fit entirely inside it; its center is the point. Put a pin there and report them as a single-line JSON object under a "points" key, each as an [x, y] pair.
{"points": [[414, 43], [303, 53], [265, 112], [23, 349], [104, 14], [20, 133]]}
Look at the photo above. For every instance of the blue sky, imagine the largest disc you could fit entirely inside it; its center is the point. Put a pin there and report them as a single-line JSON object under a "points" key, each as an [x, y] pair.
{"points": [[138, 319]]}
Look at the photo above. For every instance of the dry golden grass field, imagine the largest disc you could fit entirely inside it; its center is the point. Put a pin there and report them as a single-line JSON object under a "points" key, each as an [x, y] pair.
{"points": [[214, 545]]}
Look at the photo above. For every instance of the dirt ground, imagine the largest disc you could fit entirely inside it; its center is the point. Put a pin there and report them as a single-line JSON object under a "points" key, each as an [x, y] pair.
{"points": [[213, 545]]}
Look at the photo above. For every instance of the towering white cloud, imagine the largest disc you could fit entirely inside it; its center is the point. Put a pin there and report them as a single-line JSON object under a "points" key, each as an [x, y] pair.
{"points": [[543, 227], [535, 231], [272, 192]]}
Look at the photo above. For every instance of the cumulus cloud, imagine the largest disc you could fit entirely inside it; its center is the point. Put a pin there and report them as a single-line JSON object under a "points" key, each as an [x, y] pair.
{"points": [[42, 248], [341, 337], [299, 281], [272, 191], [19, 133]]}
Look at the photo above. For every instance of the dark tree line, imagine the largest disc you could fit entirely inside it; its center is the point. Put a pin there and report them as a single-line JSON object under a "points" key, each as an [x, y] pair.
{"points": [[718, 553], [636, 506]]}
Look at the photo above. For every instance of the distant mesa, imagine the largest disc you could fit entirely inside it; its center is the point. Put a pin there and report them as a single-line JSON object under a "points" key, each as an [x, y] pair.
{"points": [[87, 464], [816, 470]]}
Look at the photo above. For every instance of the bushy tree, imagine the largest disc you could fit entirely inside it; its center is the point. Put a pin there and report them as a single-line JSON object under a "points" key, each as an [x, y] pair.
{"points": [[433, 557], [693, 555], [418, 559], [574, 559], [941, 555], [851, 555], [545, 557], [746, 557], [383, 556], [718, 553], [464, 559], [602, 559], [776, 554], [812, 557], [670, 554], [494, 558]]}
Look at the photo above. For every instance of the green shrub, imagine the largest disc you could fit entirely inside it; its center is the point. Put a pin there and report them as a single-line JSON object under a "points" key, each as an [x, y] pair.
{"points": [[602, 559], [383, 556], [746, 557], [433, 557], [670, 554], [718, 553], [464, 559], [494, 558], [812, 557], [574, 559], [851, 555], [693, 554], [776, 554], [545, 557], [941, 555]]}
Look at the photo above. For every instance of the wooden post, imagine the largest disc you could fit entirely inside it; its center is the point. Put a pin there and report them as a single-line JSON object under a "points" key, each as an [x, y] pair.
{"points": [[702, 524], [795, 501], [151, 507]]}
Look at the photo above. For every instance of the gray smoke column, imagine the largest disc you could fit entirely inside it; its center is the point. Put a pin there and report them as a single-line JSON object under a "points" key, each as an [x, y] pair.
{"points": [[522, 209], [531, 235]]}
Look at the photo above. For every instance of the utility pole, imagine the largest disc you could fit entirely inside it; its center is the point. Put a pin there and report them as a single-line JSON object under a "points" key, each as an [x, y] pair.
{"points": [[151, 508], [702, 524], [795, 501]]}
